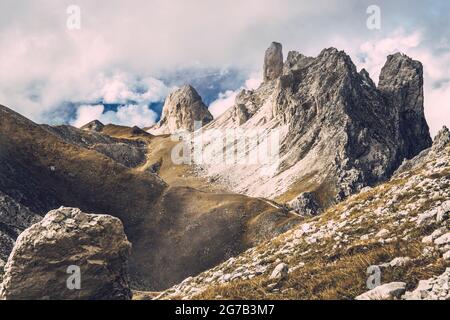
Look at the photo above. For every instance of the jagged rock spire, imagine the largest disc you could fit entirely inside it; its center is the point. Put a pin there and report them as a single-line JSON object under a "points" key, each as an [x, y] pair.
{"points": [[401, 84], [273, 62]]}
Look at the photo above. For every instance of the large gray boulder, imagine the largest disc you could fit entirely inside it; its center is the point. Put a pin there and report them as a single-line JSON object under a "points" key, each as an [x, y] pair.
{"points": [[388, 291], [69, 255]]}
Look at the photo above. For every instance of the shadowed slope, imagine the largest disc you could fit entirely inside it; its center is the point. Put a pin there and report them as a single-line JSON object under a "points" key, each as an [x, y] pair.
{"points": [[41, 171]]}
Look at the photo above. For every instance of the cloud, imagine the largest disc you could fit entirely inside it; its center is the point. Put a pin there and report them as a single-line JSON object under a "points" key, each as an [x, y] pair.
{"points": [[226, 99], [43, 65], [372, 56], [88, 113], [128, 115]]}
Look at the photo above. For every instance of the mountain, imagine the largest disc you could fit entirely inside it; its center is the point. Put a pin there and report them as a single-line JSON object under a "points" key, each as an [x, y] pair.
{"points": [[336, 131], [181, 110], [399, 228], [176, 231]]}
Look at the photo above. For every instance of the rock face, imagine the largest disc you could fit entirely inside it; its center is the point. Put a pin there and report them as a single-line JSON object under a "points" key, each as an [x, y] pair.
{"points": [[401, 83], [182, 109], [273, 62], [68, 237], [336, 131], [95, 126], [14, 218], [305, 204]]}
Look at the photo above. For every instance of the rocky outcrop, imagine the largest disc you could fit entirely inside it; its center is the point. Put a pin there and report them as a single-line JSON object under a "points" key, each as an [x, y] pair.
{"points": [[336, 131], [305, 204], [440, 143], [182, 110], [436, 288], [95, 126], [273, 62], [46, 257], [128, 152], [14, 218]]}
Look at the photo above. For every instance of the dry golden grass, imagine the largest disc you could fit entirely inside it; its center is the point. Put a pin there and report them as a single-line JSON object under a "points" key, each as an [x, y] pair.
{"points": [[176, 231]]}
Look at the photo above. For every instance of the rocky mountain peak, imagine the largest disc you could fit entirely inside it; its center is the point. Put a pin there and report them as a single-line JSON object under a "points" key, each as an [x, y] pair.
{"points": [[442, 139], [400, 71], [296, 61], [273, 62], [366, 78], [182, 109], [339, 132], [94, 125]]}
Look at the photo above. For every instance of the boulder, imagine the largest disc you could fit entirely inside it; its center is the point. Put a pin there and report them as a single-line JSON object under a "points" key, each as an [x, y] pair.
{"points": [[70, 255], [280, 272], [387, 291], [400, 262]]}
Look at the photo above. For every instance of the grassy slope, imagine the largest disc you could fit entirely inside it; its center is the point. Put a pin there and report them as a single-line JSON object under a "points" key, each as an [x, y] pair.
{"points": [[335, 266], [175, 231]]}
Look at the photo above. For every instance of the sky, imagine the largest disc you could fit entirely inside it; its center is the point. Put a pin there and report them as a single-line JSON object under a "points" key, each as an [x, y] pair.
{"points": [[124, 57]]}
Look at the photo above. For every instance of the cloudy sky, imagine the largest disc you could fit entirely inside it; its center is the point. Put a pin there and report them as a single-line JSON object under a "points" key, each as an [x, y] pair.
{"points": [[128, 55]]}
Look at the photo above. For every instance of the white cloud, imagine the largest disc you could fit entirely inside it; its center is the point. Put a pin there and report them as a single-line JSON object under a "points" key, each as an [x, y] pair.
{"points": [[436, 70], [226, 99], [87, 113], [128, 115], [43, 64]]}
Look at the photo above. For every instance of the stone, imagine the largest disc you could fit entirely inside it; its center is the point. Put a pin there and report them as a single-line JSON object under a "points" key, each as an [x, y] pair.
{"points": [[389, 291], [273, 62], [305, 204], [443, 240], [383, 233], [443, 212], [400, 262], [68, 245], [431, 289], [426, 217], [446, 256], [280, 272]]}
